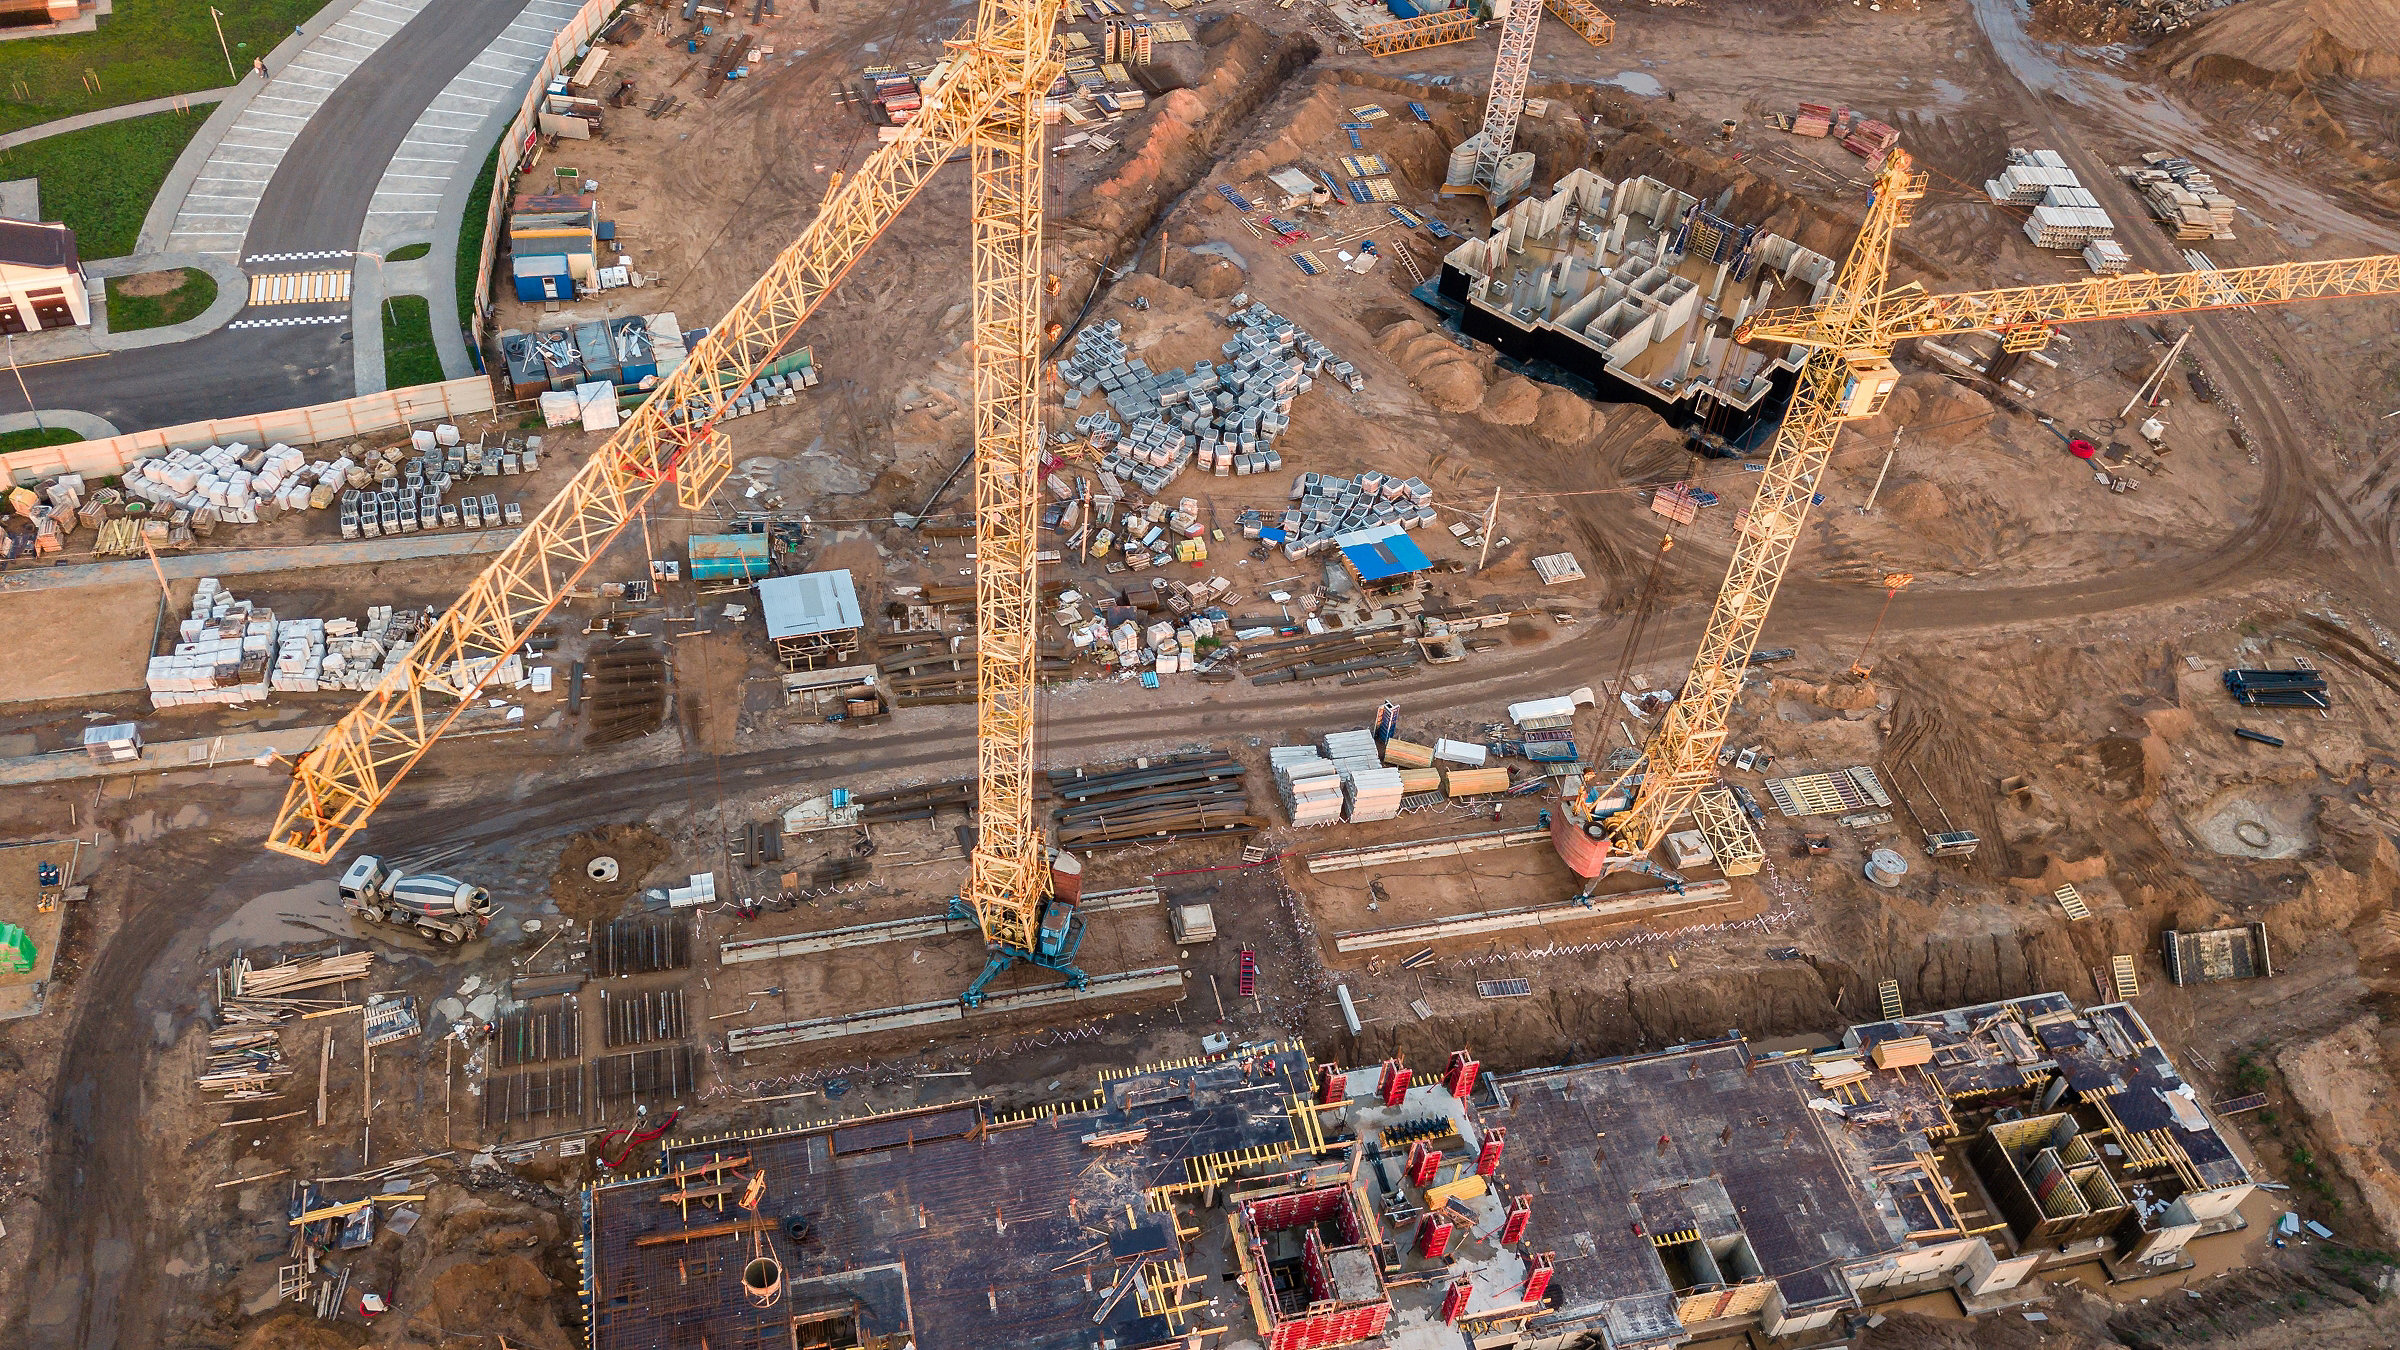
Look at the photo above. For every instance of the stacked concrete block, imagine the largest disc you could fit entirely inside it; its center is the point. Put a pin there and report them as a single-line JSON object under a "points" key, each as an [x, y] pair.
{"points": [[1309, 784], [1224, 415], [221, 653], [1325, 506], [233, 483]]}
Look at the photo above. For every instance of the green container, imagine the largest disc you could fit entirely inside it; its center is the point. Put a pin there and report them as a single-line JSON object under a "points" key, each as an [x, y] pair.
{"points": [[16, 950]]}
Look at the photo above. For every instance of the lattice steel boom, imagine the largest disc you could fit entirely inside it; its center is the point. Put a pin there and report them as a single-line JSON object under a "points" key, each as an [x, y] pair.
{"points": [[989, 105], [1398, 36], [1847, 377], [1586, 19], [1510, 69], [2022, 312]]}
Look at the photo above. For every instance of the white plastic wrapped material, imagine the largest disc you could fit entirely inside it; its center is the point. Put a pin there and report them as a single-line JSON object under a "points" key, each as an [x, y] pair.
{"points": [[445, 434], [422, 441]]}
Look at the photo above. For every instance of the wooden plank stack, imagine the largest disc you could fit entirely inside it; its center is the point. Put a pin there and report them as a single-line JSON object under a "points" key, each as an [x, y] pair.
{"points": [[272, 982]]}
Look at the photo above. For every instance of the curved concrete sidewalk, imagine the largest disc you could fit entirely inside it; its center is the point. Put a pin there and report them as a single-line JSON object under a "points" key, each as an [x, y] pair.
{"points": [[208, 198], [81, 423], [423, 194], [104, 116]]}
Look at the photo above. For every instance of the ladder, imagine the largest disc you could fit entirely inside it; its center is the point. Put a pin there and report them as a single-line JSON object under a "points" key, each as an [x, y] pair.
{"points": [[1249, 975], [1889, 992], [2121, 969], [2071, 900], [1409, 261]]}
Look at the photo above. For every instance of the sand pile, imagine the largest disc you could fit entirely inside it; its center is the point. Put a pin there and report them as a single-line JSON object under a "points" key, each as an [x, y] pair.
{"points": [[1446, 373]]}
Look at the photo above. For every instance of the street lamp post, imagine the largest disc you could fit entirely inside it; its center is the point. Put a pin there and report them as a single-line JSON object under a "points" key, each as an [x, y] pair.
{"points": [[15, 370], [216, 20]]}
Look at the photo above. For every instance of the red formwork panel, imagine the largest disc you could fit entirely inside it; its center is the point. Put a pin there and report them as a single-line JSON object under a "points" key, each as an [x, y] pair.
{"points": [[1461, 1075], [1519, 1215], [1278, 1212], [1454, 1301], [1433, 1237], [1395, 1082], [1345, 1326], [1488, 1160]]}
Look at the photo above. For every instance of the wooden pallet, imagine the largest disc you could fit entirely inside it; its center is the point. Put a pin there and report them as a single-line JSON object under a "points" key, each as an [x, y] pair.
{"points": [[1889, 993], [2120, 969], [2071, 900]]}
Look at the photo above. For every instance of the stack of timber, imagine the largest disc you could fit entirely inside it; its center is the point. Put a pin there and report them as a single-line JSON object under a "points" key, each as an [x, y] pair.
{"points": [[243, 1064], [1180, 797], [273, 982]]}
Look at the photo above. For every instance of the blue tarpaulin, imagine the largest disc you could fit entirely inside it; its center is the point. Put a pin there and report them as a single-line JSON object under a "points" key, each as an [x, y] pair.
{"points": [[1381, 552]]}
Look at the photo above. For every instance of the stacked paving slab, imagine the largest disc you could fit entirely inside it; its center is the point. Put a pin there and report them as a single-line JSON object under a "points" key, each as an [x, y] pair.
{"points": [[1310, 786]]}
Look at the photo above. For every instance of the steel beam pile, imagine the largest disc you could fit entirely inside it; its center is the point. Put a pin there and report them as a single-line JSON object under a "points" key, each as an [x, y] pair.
{"points": [[2278, 688], [1185, 797]]}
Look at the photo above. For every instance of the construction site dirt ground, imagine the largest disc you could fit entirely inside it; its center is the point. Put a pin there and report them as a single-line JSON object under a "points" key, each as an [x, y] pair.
{"points": [[2058, 634]]}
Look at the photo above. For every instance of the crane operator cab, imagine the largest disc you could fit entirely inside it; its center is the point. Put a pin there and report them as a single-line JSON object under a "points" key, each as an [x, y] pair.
{"points": [[1058, 932]]}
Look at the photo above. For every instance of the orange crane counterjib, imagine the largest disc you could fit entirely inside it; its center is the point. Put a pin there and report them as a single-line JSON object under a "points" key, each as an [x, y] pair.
{"points": [[1903, 314], [337, 785]]}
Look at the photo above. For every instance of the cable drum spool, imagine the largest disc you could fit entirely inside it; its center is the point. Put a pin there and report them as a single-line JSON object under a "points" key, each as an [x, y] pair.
{"points": [[602, 868], [1886, 868]]}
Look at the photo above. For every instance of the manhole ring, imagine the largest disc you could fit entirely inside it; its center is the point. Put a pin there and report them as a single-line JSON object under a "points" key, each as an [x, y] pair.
{"points": [[602, 868], [2254, 834]]}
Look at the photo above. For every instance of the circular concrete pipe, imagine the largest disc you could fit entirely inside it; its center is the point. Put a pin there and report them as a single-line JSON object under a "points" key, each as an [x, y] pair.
{"points": [[763, 1280], [602, 868]]}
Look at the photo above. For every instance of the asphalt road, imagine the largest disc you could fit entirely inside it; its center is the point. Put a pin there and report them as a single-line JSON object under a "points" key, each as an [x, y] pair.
{"points": [[317, 200]]}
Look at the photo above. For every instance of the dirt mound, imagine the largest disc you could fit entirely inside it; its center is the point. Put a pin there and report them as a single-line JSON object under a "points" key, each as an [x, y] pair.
{"points": [[1448, 376], [2291, 41], [1513, 401], [637, 849], [506, 1296], [2337, 61], [1916, 501], [1564, 417]]}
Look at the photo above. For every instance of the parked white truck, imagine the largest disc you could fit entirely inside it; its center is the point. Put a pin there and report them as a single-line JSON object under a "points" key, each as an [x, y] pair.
{"points": [[438, 907]]}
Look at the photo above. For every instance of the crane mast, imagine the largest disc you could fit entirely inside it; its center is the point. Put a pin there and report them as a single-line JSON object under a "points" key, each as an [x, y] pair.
{"points": [[989, 105], [1615, 822]]}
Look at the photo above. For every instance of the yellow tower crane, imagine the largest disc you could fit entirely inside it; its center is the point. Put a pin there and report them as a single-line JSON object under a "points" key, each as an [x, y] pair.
{"points": [[987, 102], [1615, 821]]}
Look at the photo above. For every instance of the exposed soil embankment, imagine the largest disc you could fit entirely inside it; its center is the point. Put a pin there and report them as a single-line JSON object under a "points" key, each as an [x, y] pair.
{"points": [[1247, 65]]}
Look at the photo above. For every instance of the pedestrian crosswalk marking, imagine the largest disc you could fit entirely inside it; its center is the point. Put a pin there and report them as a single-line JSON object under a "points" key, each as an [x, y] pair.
{"points": [[314, 255], [300, 288], [289, 321]]}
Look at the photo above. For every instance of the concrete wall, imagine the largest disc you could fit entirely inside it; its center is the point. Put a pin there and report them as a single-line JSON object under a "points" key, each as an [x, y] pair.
{"points": [[294, 426]]}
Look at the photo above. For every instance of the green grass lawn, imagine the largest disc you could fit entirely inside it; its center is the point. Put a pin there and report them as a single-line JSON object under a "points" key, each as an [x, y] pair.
{"points": [[33, 437], [470, 237], [142, 49], [409, 356], [408, 253], [188, 300], [100, 180]]}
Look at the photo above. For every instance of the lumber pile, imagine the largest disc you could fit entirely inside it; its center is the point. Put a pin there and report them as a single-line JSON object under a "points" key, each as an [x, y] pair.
{"points": [[243, 1064], [2183, 197], [1156, 801], [252, 982]]}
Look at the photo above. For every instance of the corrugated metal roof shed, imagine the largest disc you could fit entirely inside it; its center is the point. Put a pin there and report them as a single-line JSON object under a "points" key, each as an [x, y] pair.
{"points": [[808, 604]]}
